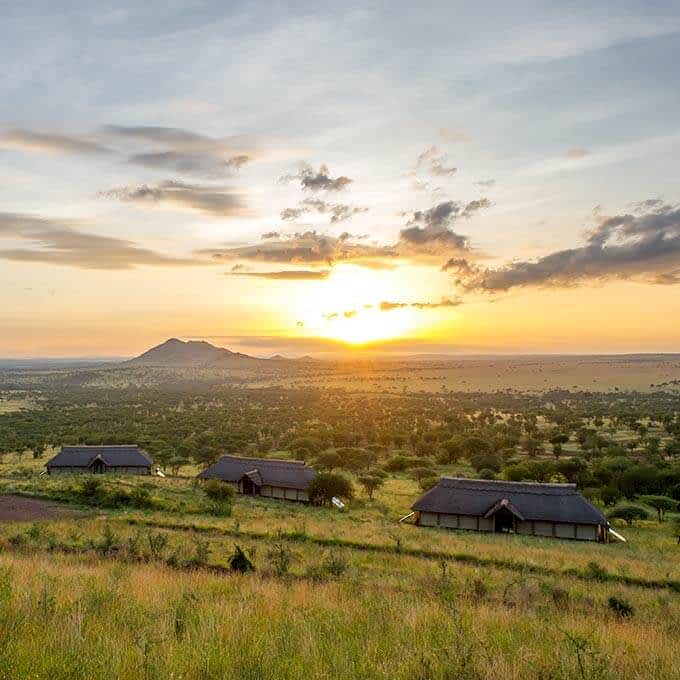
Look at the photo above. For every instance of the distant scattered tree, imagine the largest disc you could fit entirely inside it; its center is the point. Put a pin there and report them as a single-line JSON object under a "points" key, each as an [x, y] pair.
{"points": [[662, 504], [419, 473], [219, 491], [328, 484], [328, 461], [610, 495], [427, 483], [177, 462], [239, 561], [371, 483], [628, 513]]}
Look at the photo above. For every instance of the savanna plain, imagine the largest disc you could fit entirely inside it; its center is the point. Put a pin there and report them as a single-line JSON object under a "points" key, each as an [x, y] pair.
{"points": [[168, 577]]}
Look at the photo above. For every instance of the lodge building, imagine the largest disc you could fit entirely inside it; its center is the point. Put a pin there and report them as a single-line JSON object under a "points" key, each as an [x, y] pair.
{"points": [[551, 510], [285, 479], [119, 460]]}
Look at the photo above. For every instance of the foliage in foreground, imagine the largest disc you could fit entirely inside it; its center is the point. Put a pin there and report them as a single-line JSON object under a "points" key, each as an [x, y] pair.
{"points": [[61, 618]]}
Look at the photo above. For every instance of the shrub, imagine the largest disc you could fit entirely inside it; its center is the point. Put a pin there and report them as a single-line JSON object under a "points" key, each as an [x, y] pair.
{"points": [[221, 497], [620, 607], [428, 483], [628, 513], [280, 557], [371, 483], [108, 543], [332, 566], [218, 491], [158, 542], [201, 552], [240, 562], [400, 463], [420, 472], [662, 504], [597, 572], [328, 484]]}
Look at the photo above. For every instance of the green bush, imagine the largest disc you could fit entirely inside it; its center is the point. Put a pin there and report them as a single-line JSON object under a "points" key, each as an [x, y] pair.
{"points": [[620, 607], [401, 463], [427, 483], [220, 492], [220, 498], [328, 484], [240, 562], [628, 513]]}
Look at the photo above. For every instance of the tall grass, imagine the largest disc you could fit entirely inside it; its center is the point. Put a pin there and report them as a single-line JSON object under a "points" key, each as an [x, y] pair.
{"points": [[60, 618]]}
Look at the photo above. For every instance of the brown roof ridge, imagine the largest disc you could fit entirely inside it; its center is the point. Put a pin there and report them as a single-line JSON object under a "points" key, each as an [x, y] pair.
{"points": [[491, 482], [100, 446], [267, 461]]}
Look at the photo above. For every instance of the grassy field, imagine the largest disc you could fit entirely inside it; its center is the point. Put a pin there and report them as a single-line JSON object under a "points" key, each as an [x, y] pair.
{"points": [[466, 374], [146, 592]]}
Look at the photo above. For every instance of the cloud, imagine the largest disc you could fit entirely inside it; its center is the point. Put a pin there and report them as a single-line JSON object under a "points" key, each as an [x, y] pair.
{"points": [[629, 246], [287, 275], [186, 152], [655, 205], [430, 232], [317, 180], [170, 136], [426, 236], [45, 142], [338, 212], [434, 163], [307, 247], [55, 242], [216, 201], [202, 164], [577, 153], [485, 183], [168, 149], [387, 306], [292, 214], [453, 135]]}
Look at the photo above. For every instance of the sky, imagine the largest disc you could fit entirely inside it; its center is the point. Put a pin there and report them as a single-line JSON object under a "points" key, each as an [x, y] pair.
{"points": [[301, 178]]}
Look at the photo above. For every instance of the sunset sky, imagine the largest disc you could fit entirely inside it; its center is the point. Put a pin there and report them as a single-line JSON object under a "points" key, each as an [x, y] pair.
{"points": [[280, 177]]}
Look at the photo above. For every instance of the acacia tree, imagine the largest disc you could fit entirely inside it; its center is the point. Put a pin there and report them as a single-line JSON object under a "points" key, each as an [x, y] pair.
{"points": [[662, 504], [328, 484], [628, 513], [371, 483]]}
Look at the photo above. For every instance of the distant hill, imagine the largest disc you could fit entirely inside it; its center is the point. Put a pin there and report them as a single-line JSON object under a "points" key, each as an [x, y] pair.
{"points": [[194, 353]]}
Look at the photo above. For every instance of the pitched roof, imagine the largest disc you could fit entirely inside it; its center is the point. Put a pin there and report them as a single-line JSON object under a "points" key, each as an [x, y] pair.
{"points": [[477, 497], [290, 474], [127, 455]]}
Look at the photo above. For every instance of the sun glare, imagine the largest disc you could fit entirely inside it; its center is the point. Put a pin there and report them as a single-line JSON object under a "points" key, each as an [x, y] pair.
{"points": [[346, 307]]}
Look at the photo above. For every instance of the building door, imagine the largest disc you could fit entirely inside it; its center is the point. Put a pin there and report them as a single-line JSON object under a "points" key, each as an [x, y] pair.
{"points": [[249, 489], [504, 522], [98, 467]]}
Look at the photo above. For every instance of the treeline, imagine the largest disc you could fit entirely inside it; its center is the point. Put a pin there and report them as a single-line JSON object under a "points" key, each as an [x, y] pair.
{"points": [[555, 436]]}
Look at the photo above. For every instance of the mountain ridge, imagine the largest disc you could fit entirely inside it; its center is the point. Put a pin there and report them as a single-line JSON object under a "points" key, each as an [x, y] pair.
{"points": [[190, 353]]}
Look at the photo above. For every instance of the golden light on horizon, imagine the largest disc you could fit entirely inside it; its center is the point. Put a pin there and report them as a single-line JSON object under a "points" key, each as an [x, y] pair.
{"points": [[369, 325], [347, 307]]}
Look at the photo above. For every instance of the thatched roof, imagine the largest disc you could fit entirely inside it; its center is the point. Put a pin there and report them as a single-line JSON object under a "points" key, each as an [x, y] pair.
{"points": [[289, 474], [526, 500], [127, 455]]}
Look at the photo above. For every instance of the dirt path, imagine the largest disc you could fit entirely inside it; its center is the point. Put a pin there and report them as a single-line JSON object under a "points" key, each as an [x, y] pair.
{"points": [[18, 509]]}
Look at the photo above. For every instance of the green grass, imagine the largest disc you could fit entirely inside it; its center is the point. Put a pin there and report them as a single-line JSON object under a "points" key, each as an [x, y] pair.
{"points": [[90, 596]]}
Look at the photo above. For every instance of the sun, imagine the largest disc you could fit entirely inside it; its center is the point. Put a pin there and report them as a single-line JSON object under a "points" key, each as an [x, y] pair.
{"points": [[347, 307], [370, 325]]}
